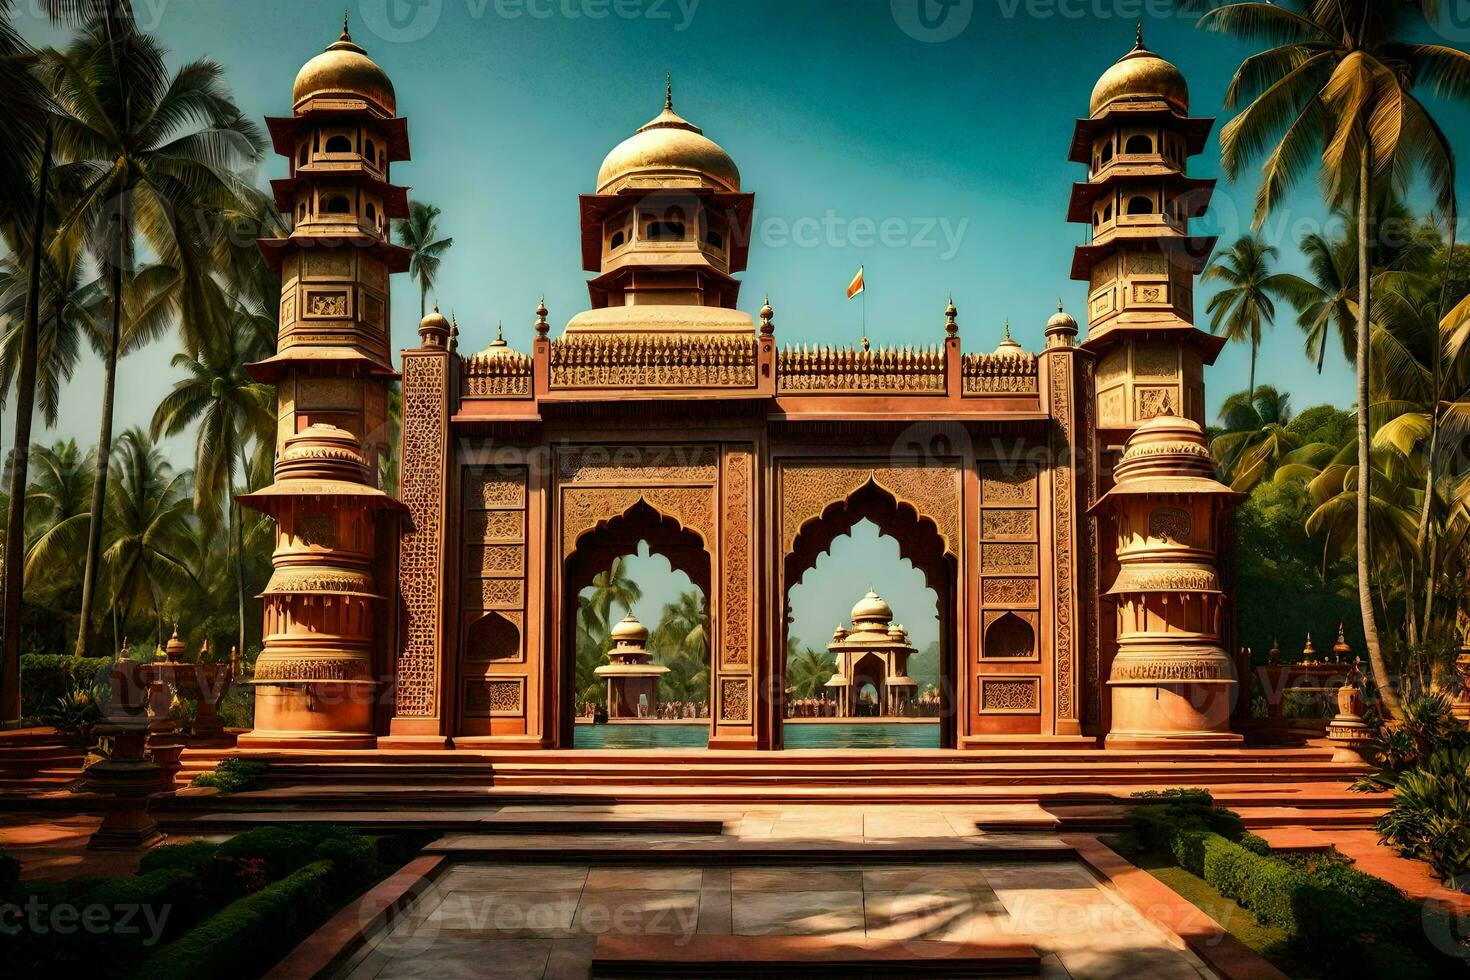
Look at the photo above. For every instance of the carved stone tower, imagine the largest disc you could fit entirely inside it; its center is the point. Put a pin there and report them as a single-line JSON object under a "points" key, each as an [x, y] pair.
{"points": [[1172, 683], [1141, 260], [665, 233], [326, 633]]}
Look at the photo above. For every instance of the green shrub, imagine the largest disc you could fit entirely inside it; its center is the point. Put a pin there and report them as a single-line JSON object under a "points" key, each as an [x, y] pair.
{"points": [[248, 936], [46, 678], [1254, 844], [194, 856], [1430, 816], [285, 848], [1177, 810], [234, 775]]}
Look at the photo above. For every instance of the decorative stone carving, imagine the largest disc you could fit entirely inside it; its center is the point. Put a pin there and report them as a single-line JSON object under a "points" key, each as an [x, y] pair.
{"points": [[318, 531], [503, 375], [999, 374], [420, 559], [1008, 525], [1170, 524], [735, 699], [736, 606], [808, 489], [1009, 695], [496, 489], [326, 304], [1007, 558], [584, 508], [1008, 592], [637, 464], [494, 525], [652, 362], [1062, 504], [854, 369], [1008, 484], [493, 698]]}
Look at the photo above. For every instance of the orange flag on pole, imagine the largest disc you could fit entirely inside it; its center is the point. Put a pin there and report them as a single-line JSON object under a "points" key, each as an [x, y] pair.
{"points": [[857, 285]]}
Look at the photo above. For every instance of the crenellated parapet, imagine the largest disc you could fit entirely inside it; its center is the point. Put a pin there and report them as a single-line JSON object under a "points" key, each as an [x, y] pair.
{"points": [[497, 376], [858, 369], [630, 361], [999, 374]]}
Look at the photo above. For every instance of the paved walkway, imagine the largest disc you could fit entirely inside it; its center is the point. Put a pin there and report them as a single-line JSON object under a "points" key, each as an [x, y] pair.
{"points": [[534, 905]]}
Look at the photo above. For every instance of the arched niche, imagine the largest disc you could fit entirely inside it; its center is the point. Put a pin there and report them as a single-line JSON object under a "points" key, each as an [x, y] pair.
{"points": [[492, 638], [1009, 637]]}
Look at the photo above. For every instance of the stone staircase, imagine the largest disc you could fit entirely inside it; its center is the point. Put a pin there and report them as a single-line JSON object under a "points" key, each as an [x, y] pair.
{"points": [[38, 760], [1284, 787]]}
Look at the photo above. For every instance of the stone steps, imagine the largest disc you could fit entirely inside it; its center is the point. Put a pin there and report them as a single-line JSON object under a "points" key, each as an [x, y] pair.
{"points": [[38, 760]]}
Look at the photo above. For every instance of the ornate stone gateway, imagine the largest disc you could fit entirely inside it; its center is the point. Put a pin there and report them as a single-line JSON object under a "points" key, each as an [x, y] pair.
{"points": [[664, 414]]}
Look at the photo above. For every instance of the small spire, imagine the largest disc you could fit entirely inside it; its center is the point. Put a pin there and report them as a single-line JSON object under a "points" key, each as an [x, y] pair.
{"points": [[766, 313], [346, 34], [453, 332], [1008, 328], [542, 327], [866, 347], [1059, 305], [1138, 38], [668, 90], [951, 325], [500, 330]]}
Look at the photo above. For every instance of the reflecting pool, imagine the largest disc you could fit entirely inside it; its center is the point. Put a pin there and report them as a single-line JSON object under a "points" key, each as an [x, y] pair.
{"points": [[804, 735]]}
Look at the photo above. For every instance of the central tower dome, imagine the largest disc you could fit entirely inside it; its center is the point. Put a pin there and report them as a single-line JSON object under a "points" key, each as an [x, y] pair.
{"points": [[665, 232]]}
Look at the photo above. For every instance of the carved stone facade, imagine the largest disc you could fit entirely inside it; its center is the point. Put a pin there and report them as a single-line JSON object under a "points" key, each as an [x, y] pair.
{"points": [[663, 414]]}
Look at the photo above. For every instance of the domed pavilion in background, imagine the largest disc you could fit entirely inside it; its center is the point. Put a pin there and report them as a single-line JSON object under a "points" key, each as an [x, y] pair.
{"points": [[632, 676], [874, 652], [1054, 492]]}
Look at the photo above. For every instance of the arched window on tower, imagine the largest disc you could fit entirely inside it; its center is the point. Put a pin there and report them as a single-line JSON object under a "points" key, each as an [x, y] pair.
{"points": [[301, 211], [666, 231], [370, 151], [372, 213], [1107, 151], [337, 204], [618, 240], [301, 156], [1096, 218], [1139, 204], [1108, 213], [1138, 143], [339, 144]]}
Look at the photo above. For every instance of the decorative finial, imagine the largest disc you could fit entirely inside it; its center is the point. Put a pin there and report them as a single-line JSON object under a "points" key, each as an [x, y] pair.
{"points": [[867, 347], [951, 325], [1138, 40], [346, 34], [453, 332], [1059, 305], [1008, 328], [542, 327], [767, 329], [500, 330], [668, 90]]}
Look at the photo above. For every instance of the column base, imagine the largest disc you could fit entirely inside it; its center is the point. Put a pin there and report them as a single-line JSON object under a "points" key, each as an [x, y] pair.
{"points": [[1169, 740], [727, 743], [260, 739], [126, 826]]}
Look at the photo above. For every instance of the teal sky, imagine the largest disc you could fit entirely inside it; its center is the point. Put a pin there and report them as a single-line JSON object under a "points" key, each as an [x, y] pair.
{"points": [[846, 119]]}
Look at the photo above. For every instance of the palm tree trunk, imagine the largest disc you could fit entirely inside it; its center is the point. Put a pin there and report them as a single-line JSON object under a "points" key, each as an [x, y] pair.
{"points": [[1431, 578], [423, 297], [104, 436], [25, 400], [1250, 396], [239, 535], [1381, 676]]}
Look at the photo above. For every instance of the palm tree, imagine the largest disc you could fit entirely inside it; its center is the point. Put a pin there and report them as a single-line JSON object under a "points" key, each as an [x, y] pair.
{"points": [[153, 156], [807, 671], [681, 642], [148, 529], [56, 508], [1334, 93], [230, 410], [611, 588], [419, 233], [1243, 307], [1259, 438]]}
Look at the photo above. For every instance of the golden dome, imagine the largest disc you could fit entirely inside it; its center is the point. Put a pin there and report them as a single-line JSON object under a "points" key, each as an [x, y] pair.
{"points": [[669, 146], [498, 347], [1008, 347], [1061, 320], [1140, 74], [871, 608], [344, 69], [630, 630]]}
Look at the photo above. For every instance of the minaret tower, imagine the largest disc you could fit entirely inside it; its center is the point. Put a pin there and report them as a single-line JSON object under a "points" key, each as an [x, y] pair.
{"points": [[325, 633], [1140, 260]]}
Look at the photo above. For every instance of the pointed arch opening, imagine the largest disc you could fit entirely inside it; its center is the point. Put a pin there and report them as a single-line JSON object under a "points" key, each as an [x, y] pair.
{"points": [[875, 515], [668, 568]]}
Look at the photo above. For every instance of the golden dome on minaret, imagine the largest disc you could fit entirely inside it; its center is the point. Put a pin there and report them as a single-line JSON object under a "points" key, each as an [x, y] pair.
{"points": [[671, 147], [344, 69], [1140, 75]]}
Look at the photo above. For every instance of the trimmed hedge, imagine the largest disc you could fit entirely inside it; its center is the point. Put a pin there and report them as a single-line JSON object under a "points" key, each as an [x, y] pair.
{"points": [[244, 939], [45, 677]]}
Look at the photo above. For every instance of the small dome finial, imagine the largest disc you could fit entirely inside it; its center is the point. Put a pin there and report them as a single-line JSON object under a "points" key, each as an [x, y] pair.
{"points": [[500, 330], [951, 325], [542, 327], [766, 313], [1138, 39], [346, 34], [668, 90], [1008, 328]]}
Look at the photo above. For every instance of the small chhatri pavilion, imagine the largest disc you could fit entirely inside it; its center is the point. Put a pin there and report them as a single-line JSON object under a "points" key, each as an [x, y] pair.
{"points": [[875, 651], [632, 676]]}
